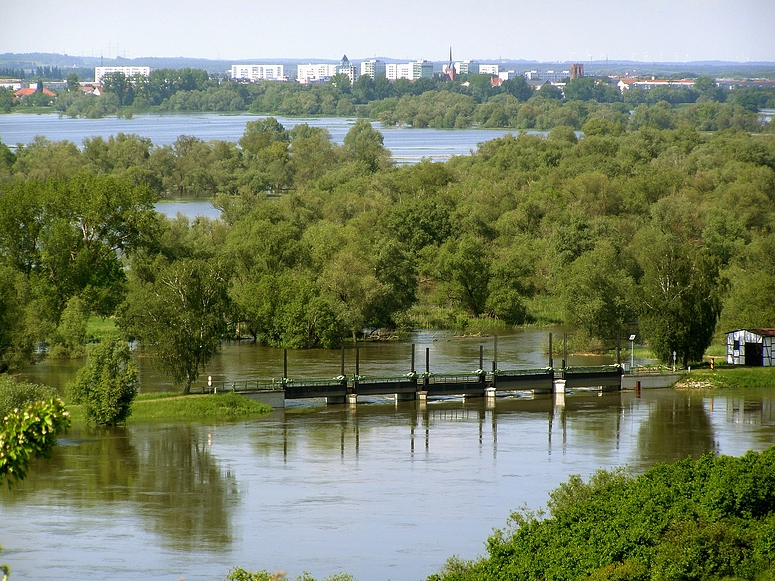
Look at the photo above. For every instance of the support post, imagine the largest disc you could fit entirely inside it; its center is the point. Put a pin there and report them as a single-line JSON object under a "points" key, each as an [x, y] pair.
{"points": [[564, 350], [342, 363], [285, 364], [425, 380], [357, 368], [495, 353], [412, 369], [551, 361], [481, 356]]}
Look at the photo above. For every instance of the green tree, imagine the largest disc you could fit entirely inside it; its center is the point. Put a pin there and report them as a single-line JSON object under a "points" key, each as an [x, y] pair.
{"points": [[107, 384], [17, 332], [364, 144], [70, 336], [464, 268], [27, 434], [116, 84], [179, 316], [679, 296], [518, 87], [72, 82], [595, 291], [261, 134]]}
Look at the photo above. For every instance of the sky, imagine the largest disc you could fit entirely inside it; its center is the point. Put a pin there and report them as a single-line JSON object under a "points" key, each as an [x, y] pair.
{"points": [[484, 30]]}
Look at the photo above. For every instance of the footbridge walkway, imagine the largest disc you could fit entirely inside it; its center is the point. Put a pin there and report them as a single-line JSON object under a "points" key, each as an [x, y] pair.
{"points": [[347, 388]]}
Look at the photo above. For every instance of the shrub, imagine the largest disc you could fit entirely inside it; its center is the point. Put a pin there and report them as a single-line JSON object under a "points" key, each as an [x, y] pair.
{"points": [[17, 395], [107, 384]]}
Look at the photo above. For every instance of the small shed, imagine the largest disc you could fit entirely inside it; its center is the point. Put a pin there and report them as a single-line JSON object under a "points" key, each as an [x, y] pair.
{"points": [[751, 347]]}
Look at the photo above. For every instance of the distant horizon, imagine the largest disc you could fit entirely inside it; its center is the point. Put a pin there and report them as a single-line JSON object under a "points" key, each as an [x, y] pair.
{"points": [[262, 60], [551, 31]]}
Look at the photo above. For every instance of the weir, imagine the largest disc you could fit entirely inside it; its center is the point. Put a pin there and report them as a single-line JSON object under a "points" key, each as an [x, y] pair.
{"points": [[413, 385]]}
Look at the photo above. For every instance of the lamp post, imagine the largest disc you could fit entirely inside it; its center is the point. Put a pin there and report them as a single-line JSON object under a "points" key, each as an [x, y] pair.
{"points": [[632, 351]]}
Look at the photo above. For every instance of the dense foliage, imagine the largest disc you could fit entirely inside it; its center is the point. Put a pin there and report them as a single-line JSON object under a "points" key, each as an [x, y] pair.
{"points": [[711, 518], [18, 394], [107, 384], [663, 232], [28, 433]]}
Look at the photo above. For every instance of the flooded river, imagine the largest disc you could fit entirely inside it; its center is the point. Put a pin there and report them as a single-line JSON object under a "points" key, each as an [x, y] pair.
{"points": [[382, 490]]}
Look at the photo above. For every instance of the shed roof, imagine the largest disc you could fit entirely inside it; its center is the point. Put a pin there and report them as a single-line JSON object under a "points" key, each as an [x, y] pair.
{"points": [[764, 332]]}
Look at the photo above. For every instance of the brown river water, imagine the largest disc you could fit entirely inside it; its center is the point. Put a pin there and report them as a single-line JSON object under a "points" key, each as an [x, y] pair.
{"points": [[381, 490]]}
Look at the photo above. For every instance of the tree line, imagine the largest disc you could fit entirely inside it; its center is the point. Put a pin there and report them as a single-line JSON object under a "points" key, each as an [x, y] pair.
{"points": [[663, 232], [427, 102]]}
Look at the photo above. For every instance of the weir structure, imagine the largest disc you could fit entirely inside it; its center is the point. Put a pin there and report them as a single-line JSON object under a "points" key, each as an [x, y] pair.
{"points": [[416, 385]]}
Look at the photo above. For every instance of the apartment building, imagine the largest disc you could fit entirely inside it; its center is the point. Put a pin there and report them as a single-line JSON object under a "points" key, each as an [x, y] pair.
{"points": [[257, 72], [100, 72]]}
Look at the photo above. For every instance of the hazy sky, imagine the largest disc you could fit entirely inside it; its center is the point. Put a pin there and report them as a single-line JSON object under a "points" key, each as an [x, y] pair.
{"points": [[545, 30]]}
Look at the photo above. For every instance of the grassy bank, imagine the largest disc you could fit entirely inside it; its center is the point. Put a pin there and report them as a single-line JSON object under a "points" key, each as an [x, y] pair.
{"points": [[724, 376], [176, 407]]}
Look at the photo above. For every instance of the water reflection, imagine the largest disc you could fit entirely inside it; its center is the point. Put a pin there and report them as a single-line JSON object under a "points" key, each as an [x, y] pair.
{"points": [[402, 485], [167, 475], [675, 429]]}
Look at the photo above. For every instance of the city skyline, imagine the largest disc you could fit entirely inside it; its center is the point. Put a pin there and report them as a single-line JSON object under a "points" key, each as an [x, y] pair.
{"points": [[551, 31]]}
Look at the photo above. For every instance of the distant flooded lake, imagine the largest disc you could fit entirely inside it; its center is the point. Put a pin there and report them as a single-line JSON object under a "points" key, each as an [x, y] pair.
{"points": [[407, 145]]}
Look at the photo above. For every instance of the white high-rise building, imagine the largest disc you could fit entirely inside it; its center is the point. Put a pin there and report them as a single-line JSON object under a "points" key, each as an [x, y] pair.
{"points": [[467, 67], [257, 72], [412, 71], [100, 72], [315, 72], [489, 69], [345, 68], [395, 71], [373, 68]]}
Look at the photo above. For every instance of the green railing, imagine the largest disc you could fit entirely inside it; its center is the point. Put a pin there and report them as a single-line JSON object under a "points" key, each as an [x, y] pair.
{"points": [[594, 369], [513, 372]]}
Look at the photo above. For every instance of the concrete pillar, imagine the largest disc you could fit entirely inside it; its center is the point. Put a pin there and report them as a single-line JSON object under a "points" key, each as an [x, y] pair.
{"points": [[559, 399], [352, 398], [422, 395], [489, 393], [559, 386]]}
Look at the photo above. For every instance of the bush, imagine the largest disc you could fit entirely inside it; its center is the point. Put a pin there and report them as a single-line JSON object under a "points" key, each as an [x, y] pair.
{"points": [[704, 519], [17, 395], [107, 384], [27, 434]]}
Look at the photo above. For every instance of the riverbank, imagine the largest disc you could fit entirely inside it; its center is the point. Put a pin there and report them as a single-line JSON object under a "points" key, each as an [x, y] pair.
{"points": [[153, 407], [725, 377]]}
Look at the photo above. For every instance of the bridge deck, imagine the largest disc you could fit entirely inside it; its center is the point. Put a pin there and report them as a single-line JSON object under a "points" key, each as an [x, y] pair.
{"points": [[467, 384]]}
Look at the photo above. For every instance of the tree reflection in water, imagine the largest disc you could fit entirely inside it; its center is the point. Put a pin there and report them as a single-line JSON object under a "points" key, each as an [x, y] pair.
{"points": [[167, 474], [676, 428]]}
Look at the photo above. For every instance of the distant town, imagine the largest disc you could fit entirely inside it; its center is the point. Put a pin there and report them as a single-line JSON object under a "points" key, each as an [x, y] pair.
{"points": [[29, 81]]}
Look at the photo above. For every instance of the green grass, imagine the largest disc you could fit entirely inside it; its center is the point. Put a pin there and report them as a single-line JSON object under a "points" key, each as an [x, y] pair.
{"points": [[177, 407], [101, 328], [727, 376], [719, 350], [544, 310]]}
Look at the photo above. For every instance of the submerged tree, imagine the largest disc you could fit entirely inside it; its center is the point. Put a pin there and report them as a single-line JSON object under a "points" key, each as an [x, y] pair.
{"points": [[107, 384]]}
